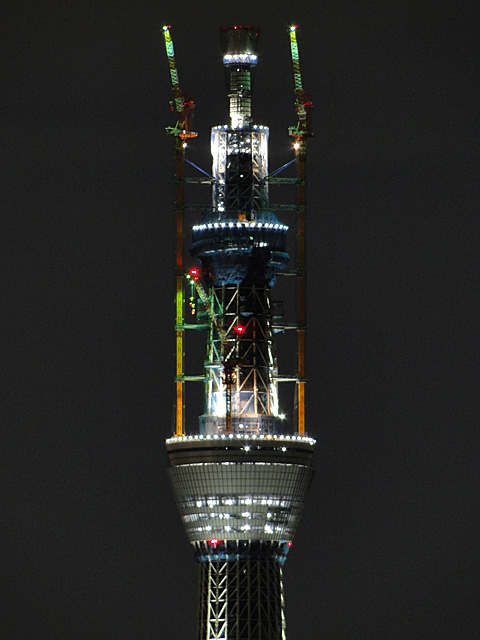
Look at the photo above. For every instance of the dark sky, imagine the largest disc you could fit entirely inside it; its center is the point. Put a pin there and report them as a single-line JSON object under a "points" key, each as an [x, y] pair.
{"points": [[91, 544]]}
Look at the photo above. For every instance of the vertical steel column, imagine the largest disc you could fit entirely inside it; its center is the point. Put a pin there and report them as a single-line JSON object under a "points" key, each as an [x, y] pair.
{"points": [[179, 297], [301, 156]]}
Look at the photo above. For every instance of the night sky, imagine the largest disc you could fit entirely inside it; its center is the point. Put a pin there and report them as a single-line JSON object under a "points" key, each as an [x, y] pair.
{"points": [[91, 545]]}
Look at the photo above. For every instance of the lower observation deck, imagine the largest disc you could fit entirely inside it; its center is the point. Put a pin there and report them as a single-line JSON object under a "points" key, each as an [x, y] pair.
{"points": [[241, 488]]}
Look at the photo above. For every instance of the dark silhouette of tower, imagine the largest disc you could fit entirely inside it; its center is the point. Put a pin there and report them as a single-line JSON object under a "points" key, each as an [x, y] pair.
{"points": [[239, 483]]}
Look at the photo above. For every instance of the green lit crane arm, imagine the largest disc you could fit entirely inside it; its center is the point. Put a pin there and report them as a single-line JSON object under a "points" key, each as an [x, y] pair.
{"points": [[303, 105], [181, 103], [202, 294]]}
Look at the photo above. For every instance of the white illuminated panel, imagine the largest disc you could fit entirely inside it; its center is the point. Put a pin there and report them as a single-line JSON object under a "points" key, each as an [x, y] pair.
{"points": [[241, 58]]}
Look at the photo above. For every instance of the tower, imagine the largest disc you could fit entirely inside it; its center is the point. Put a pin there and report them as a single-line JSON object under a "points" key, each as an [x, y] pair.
{"points": [[239, 482]]}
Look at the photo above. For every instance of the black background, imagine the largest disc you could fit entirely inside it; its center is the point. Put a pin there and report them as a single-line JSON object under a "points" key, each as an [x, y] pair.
{"points": [[92, 546]]}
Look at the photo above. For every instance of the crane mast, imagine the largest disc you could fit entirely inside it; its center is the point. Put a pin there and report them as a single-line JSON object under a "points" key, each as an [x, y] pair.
{"points": [[181, 132], [301, 132]]}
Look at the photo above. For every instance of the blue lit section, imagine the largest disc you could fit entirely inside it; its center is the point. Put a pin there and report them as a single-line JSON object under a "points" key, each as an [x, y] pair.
{"points": [[214, 550]]}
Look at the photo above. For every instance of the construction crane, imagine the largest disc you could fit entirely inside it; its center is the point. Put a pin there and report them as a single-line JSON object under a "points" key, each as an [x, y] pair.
{"points": [[180, 132], [181, 103], [303, 104], [301, 132], [194, 277]]}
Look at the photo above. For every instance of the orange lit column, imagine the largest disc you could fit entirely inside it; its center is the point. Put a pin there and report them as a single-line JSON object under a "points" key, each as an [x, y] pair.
{"points": [[179, 297], [301, 156]]}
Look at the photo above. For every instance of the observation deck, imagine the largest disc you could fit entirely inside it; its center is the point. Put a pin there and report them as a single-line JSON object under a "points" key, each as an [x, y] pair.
{"points": [[231, 487]]}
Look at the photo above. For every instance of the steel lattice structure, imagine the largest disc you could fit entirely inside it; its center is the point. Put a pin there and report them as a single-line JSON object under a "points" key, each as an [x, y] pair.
{"points": [[240, 483]]}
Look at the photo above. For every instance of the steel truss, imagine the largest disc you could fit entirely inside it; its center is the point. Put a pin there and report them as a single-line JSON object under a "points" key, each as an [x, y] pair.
{"points": [[240, 165], [254, 397], [241, 600]]}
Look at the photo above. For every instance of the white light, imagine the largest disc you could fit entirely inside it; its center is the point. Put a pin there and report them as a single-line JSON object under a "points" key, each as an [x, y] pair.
{"points": [[239, 58], [246, 514]]}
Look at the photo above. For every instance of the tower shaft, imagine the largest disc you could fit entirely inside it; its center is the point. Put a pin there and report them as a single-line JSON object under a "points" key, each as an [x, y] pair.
{"points": [[240, 599]]}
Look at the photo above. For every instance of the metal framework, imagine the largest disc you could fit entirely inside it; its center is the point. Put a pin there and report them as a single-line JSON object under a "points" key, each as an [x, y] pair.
{"points": [[240, 600], [240, 165], [250, 360]]}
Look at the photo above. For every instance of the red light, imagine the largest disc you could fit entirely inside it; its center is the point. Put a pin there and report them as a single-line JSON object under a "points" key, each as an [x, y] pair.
{"points": [[239, 328], [289, 544], [213, 542], [194, 273]]}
